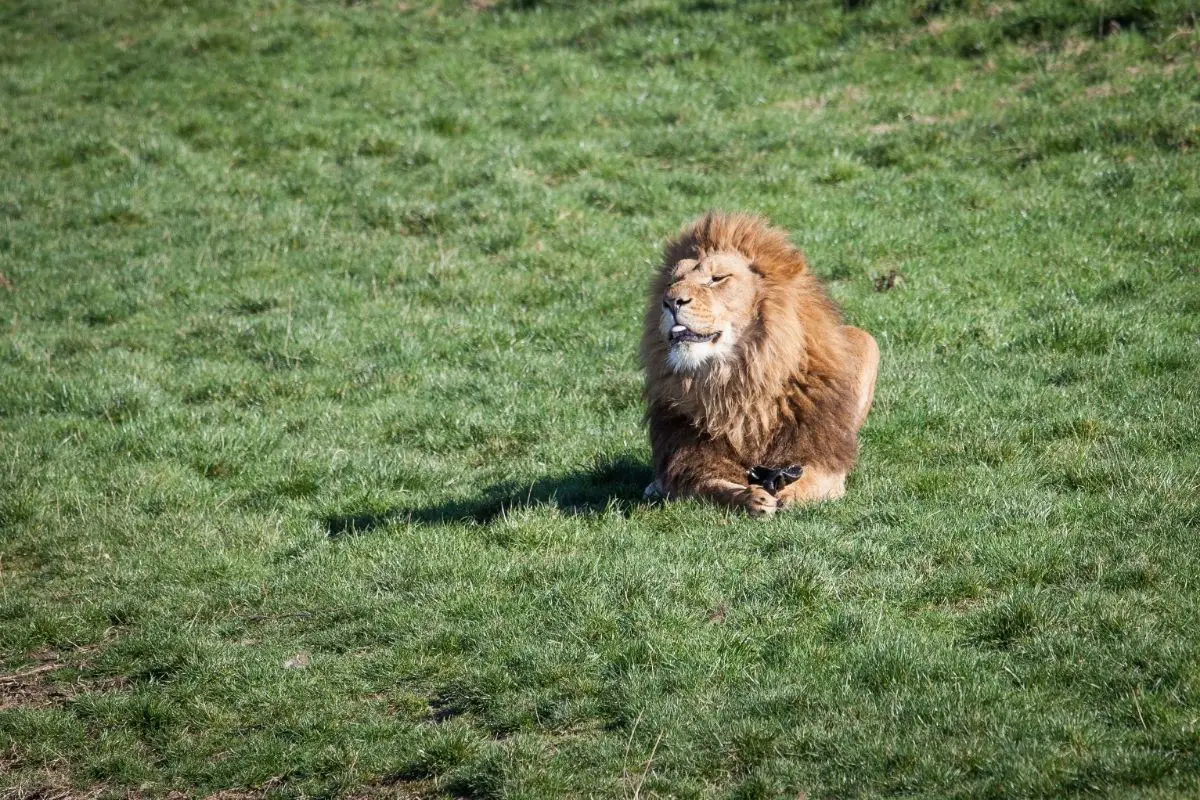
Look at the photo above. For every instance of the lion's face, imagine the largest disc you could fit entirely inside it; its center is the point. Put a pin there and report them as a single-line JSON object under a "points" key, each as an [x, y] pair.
{"points": [[706, 308]]}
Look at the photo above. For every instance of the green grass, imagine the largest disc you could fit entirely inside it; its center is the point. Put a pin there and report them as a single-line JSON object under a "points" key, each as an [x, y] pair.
{"points": [[319, 330]]}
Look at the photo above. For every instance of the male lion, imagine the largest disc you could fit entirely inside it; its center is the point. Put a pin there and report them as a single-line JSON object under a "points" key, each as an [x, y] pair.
{"points": [[755, 390]]}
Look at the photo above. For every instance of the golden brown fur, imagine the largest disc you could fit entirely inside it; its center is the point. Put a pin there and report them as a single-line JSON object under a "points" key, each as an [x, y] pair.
{"points": [[767, 375]]}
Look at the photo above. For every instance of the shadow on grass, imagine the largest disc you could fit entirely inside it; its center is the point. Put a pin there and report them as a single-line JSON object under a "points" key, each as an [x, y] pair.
{"points": [[616, 483]]}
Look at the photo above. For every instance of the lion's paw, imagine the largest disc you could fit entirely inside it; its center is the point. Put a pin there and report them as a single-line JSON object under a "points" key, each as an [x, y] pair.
{"points": [[759, 502]]}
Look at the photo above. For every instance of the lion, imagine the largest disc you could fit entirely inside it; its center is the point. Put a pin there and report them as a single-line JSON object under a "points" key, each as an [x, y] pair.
{"points": [[755, 390]]}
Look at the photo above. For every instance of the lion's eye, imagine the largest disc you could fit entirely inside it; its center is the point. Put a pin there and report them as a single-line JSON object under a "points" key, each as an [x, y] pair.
{"points": [[719, 278]]}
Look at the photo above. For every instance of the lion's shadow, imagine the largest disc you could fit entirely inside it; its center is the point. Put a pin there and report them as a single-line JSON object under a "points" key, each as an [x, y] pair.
{"points": [[613, 484]]}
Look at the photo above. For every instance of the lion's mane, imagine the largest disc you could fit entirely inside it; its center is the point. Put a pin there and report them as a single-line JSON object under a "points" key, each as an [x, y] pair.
{"points": [[790, 370]]}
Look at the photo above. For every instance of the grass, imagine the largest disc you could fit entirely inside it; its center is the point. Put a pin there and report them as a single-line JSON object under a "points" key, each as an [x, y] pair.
{"points": [[320, 443]]}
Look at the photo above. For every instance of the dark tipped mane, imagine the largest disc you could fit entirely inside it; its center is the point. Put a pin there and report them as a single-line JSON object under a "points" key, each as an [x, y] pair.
{"points": [[768, 249]]}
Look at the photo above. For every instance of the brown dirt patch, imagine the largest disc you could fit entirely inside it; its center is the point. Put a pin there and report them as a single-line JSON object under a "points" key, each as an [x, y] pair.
{"points": [[803, 104], [1104, 90], [913, 119], [35, 685], [400, 789], [888, 280], [49, 782]]}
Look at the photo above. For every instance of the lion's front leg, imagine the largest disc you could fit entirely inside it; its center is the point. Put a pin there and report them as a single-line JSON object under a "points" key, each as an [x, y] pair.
{"points": [[687, 464], [756, 500]]}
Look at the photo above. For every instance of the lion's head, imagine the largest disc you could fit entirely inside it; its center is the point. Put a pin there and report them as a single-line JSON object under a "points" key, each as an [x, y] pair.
{"points": [[713, 301]]}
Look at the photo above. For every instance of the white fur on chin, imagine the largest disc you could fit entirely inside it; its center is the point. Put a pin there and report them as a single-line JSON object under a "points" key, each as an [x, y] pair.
{"points": [[690, 356]]}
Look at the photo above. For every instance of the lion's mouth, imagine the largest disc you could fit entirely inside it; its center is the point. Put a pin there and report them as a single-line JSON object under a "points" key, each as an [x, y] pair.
{"points": [[682, 333]]}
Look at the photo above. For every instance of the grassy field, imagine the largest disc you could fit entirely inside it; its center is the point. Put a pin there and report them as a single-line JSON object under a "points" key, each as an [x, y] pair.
{"points": [[320, 441]]}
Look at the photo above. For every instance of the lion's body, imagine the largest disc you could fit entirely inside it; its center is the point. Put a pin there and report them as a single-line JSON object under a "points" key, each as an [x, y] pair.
{"points": [[778, 381]]}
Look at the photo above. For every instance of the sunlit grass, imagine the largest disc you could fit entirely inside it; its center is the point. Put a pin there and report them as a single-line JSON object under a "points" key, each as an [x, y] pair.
{"points": [[320, 444]]}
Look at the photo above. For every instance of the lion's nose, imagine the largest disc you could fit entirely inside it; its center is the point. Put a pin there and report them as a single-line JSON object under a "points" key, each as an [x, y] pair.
{"points": [[673, 303]]}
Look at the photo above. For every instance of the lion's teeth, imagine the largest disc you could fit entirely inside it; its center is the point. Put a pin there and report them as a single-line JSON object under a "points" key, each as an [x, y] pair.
{"points": [[679, 329]]}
